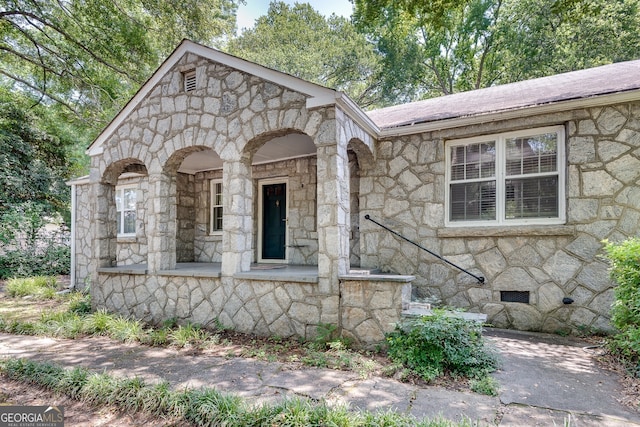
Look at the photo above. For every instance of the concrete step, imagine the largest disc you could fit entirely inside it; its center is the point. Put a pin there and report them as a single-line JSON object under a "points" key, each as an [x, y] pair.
{"points": [[417, 309]]}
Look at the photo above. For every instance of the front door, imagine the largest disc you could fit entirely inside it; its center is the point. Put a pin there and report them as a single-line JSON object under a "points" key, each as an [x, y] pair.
{"points": [[274, 221]]}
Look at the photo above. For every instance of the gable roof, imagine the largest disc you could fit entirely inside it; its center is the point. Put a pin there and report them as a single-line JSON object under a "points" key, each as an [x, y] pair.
{"points": [[317, 96], [617, 82]]}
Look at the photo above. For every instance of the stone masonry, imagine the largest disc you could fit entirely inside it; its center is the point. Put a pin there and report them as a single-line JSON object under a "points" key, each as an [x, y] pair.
{"points": [[406, 189], [398, 180]]}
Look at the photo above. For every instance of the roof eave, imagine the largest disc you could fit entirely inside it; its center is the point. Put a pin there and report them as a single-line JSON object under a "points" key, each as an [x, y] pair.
{"points": [[533, 110]]}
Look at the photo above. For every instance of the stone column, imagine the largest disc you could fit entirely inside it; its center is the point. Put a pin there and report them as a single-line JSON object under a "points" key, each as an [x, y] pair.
{"points": [[237, 219], [104, 243], [333, 208], [161, 225]]}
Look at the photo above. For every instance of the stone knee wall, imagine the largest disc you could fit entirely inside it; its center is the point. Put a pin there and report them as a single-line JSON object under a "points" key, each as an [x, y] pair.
{"points": [[369, 309], [365, 311], [267, 308], [405, 189]]}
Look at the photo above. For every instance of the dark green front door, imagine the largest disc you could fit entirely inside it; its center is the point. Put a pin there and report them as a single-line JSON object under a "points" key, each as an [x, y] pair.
{"points": [[274, 217]]}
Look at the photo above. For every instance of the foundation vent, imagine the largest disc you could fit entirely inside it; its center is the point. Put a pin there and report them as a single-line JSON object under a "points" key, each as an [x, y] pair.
{"points": [[515, 296]]}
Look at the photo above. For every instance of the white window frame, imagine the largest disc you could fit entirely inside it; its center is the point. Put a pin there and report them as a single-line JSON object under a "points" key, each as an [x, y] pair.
{"points": [[212, 205], [500, 178], [121, 213]]}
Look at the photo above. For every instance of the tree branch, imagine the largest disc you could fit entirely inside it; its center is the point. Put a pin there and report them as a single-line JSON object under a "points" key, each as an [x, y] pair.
{"points": [[43, 92]]}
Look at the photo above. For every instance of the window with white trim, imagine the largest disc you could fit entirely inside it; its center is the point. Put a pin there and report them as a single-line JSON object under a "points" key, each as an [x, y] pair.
{"points": [[216, 206], [126, 197], [506, 179]]}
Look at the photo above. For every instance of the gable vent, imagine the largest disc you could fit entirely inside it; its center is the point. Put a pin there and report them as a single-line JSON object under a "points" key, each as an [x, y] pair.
{"points": [[189, 81]]}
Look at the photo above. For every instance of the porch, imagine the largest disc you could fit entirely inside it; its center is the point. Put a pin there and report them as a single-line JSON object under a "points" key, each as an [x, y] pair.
{"points": [[270, 299]]}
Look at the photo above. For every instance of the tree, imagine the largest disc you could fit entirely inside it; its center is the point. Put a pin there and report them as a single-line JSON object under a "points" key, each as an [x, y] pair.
{"points": [[300, 41], [90, 56], [35, 156], [446, 46]]}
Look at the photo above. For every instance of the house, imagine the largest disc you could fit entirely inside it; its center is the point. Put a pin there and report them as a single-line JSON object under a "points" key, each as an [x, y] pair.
{"points": [[228, 191]]}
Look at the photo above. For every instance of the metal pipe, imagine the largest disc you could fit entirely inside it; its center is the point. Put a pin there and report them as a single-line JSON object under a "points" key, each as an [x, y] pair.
{"points": [[480, 279]]}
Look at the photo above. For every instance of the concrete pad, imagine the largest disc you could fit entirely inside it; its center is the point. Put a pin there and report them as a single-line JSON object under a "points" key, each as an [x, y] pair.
{"points": [[522, 415], [547, 374], [454, 405], [313, 383], [375, 394]]}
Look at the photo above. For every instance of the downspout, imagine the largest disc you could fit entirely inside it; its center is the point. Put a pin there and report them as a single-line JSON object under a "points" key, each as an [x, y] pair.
{"points": [[72, 286]]}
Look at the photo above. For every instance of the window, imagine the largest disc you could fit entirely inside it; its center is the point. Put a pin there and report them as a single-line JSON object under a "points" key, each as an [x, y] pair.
{"points": [[189, 81], [216, 207], [511, 178], [126, 209]]}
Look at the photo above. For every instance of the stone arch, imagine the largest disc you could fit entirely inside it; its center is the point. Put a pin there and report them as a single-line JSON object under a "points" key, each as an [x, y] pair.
{"points": [[108, 251], [362, 151], [114, 170], [184, 195]]}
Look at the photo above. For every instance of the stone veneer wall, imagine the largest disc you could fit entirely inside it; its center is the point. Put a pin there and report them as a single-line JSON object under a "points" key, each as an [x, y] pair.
{"points": [[406, 187], [207, 246], [83, 229], [367, 310], [186, 214]]}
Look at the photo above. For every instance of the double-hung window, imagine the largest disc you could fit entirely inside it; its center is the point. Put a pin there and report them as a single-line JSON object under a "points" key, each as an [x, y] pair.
{"points": [[126, 210], [506, 179], [216, 206]]}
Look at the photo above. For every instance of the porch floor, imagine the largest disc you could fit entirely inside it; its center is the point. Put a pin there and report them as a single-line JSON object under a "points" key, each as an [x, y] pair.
{"points": [[270, 272]]}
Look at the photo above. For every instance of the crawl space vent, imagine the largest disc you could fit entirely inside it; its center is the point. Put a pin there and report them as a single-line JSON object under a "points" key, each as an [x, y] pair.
{"points": [[515, 296]]}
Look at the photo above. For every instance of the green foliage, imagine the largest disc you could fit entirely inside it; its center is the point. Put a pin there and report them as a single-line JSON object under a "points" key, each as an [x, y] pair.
{"points": [[625, 312], [80, 303], [446, 46], [91, 56], [485, 385], [432, 345], [188, 334], [203, 407], [298, 40], [28, 248], [40, 287]]}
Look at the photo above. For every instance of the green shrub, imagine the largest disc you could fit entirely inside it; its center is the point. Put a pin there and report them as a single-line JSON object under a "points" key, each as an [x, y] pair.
{"points": [[625, 312], [432, 345], [41, 287], [28, 247], [485, 385]]}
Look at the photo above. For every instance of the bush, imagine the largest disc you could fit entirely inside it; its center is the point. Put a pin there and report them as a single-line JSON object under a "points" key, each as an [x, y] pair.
{"points": [[28, 248], [432, 345], [625, 312]]}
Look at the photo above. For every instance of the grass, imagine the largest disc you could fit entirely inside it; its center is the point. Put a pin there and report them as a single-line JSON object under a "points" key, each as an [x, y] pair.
{"points": [[202, 407], [70, 316], [39, 287]]}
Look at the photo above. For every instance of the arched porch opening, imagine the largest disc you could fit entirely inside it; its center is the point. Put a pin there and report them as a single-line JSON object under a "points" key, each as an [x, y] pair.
{"points": [[194, 177], [284, 210], [360, 157], [121, 223]]}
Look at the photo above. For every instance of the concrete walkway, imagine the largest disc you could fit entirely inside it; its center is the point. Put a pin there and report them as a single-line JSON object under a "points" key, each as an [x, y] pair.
{"points": [[545, 380]]}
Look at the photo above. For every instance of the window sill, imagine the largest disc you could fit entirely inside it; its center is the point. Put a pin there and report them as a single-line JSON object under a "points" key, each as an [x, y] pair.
{"points": [[508, 231], [126, 239]]}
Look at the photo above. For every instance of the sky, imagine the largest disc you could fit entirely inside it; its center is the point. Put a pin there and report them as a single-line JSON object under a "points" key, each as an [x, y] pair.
{"points": [[247, 14]]}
